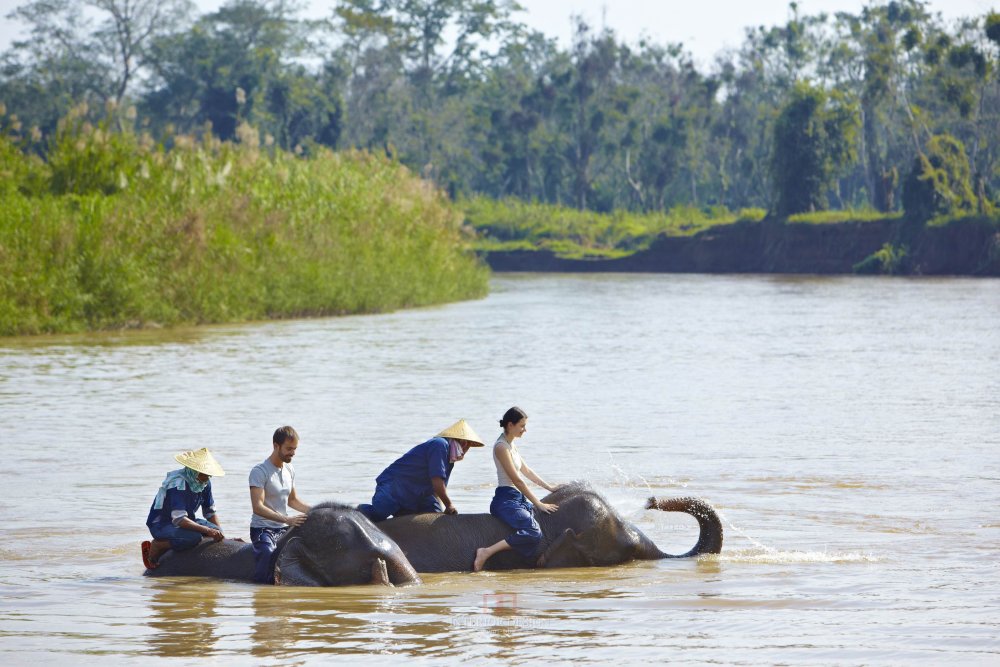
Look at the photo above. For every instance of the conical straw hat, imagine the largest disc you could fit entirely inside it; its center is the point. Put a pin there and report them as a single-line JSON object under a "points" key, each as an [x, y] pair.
{"points": [[462, 431], [202, 461]]}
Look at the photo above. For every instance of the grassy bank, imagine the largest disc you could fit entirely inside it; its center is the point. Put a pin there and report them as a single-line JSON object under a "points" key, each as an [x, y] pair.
{"points": [[517, 236], [512, 224], [114, 231]]}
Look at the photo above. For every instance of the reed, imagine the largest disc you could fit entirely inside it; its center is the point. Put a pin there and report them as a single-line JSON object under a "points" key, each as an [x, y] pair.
{"points": [[114, 230]]}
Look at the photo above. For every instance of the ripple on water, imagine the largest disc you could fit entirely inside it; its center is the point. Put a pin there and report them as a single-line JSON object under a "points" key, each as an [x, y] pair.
{"points": [[782, 482], [845, 429]]}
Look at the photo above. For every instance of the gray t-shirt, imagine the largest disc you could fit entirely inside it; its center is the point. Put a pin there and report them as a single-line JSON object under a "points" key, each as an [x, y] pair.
{"points": [[277, 484]]}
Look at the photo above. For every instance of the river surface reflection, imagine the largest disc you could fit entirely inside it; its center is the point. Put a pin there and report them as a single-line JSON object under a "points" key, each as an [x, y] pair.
{"points": [[847, 429]]}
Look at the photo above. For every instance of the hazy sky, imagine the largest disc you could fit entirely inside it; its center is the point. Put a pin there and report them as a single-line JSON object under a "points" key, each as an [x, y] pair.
{"points": [[703, 26]]}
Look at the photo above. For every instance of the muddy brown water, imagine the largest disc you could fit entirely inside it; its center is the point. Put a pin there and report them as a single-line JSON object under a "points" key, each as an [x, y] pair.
{"points": [[846, 429]]}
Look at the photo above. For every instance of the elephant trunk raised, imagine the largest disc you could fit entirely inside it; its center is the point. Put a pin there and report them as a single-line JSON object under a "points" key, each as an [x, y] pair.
{"points": [[709, 525]]}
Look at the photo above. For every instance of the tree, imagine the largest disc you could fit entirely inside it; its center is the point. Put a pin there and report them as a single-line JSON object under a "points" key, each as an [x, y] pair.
{"points": [[127, 29], [939, 181], [410, 64], [962, 95], [663, 111], [813, 141], [584, 87], [508, 135], [418, 29], [221, 72], [887, 38], [299, 108], [112, 54], [43, 77]]}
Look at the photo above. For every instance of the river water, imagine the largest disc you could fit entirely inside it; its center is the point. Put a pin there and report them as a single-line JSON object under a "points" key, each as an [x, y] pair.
{"points": [[846, 429]]}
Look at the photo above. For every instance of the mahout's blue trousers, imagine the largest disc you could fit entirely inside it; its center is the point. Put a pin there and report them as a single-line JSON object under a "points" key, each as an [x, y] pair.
{"points": [[385, 504], [180, 538]]}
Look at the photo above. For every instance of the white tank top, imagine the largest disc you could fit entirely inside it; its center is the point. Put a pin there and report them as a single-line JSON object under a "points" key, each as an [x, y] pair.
{"points": [[502, 478]]}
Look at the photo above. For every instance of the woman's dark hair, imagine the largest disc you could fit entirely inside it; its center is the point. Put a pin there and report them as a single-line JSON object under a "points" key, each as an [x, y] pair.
{"points": [[512, 416]]}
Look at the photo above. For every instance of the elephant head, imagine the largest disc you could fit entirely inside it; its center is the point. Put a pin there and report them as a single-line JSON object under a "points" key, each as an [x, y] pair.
{"points": [[339, 546], [587, 530]]}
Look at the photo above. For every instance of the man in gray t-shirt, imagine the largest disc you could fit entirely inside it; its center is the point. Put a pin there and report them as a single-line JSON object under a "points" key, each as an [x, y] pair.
{"points": [[272, 492]]}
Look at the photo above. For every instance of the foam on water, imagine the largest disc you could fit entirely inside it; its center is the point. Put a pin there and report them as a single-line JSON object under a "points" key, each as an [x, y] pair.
{"points": [[766, 555]]}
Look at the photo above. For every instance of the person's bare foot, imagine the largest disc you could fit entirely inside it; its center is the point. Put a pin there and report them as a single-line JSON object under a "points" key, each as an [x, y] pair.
{"points": [[157, 548], [482, 555]]}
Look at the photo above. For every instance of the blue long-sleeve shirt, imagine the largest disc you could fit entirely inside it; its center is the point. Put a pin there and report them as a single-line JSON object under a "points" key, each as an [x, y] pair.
{"points": [[184, 500], [411, 474]]}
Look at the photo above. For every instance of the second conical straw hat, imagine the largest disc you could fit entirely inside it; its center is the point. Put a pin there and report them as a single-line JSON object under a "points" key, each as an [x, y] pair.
{"points": [[462, 431]]}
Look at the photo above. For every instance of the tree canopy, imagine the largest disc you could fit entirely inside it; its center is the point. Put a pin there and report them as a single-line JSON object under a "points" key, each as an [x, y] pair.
{"points": [[851, 110]]}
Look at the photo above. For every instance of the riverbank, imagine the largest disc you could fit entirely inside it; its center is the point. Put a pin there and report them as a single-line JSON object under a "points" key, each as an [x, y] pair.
{"points": [[968, 246], [114, 231]]}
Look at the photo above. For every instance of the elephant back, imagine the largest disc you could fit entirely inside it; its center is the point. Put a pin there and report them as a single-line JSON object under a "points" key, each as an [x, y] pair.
{"points": [[448, 542], [228, 559]]}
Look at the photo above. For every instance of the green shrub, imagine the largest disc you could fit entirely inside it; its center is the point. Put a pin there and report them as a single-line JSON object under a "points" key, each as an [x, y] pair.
{"points": [[889, 260], [216, 232], [751, 215], [939, 183]]}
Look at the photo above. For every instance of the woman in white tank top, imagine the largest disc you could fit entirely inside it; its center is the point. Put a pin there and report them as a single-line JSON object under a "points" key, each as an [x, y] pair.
{"points": [[513, 502]]}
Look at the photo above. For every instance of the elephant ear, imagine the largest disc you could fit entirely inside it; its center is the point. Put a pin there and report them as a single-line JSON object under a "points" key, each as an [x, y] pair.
{"points": [[568, 550], [291, 567]]}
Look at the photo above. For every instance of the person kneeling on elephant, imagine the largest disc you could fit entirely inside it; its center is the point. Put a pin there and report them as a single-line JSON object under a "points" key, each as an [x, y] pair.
{"points": [[513, 502], [172, 518], [418, 480]]}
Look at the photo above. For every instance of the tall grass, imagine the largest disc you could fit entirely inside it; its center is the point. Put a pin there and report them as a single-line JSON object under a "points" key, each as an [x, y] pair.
{"points": [[115, 231], [848, 215], [512, 224]]}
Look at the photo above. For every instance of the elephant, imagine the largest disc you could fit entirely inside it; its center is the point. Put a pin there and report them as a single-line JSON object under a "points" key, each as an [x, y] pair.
{"points": [[585, 531], [336, 546]]}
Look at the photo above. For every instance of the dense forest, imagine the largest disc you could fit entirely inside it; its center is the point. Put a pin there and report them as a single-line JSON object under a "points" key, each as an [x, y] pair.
{"points": [[881, 110]]}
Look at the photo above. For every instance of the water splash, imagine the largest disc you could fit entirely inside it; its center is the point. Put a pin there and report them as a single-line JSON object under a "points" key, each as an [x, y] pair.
{"points": [[627, 489], [623, 479], [766, 555], [733, 528], [628, 480]]}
